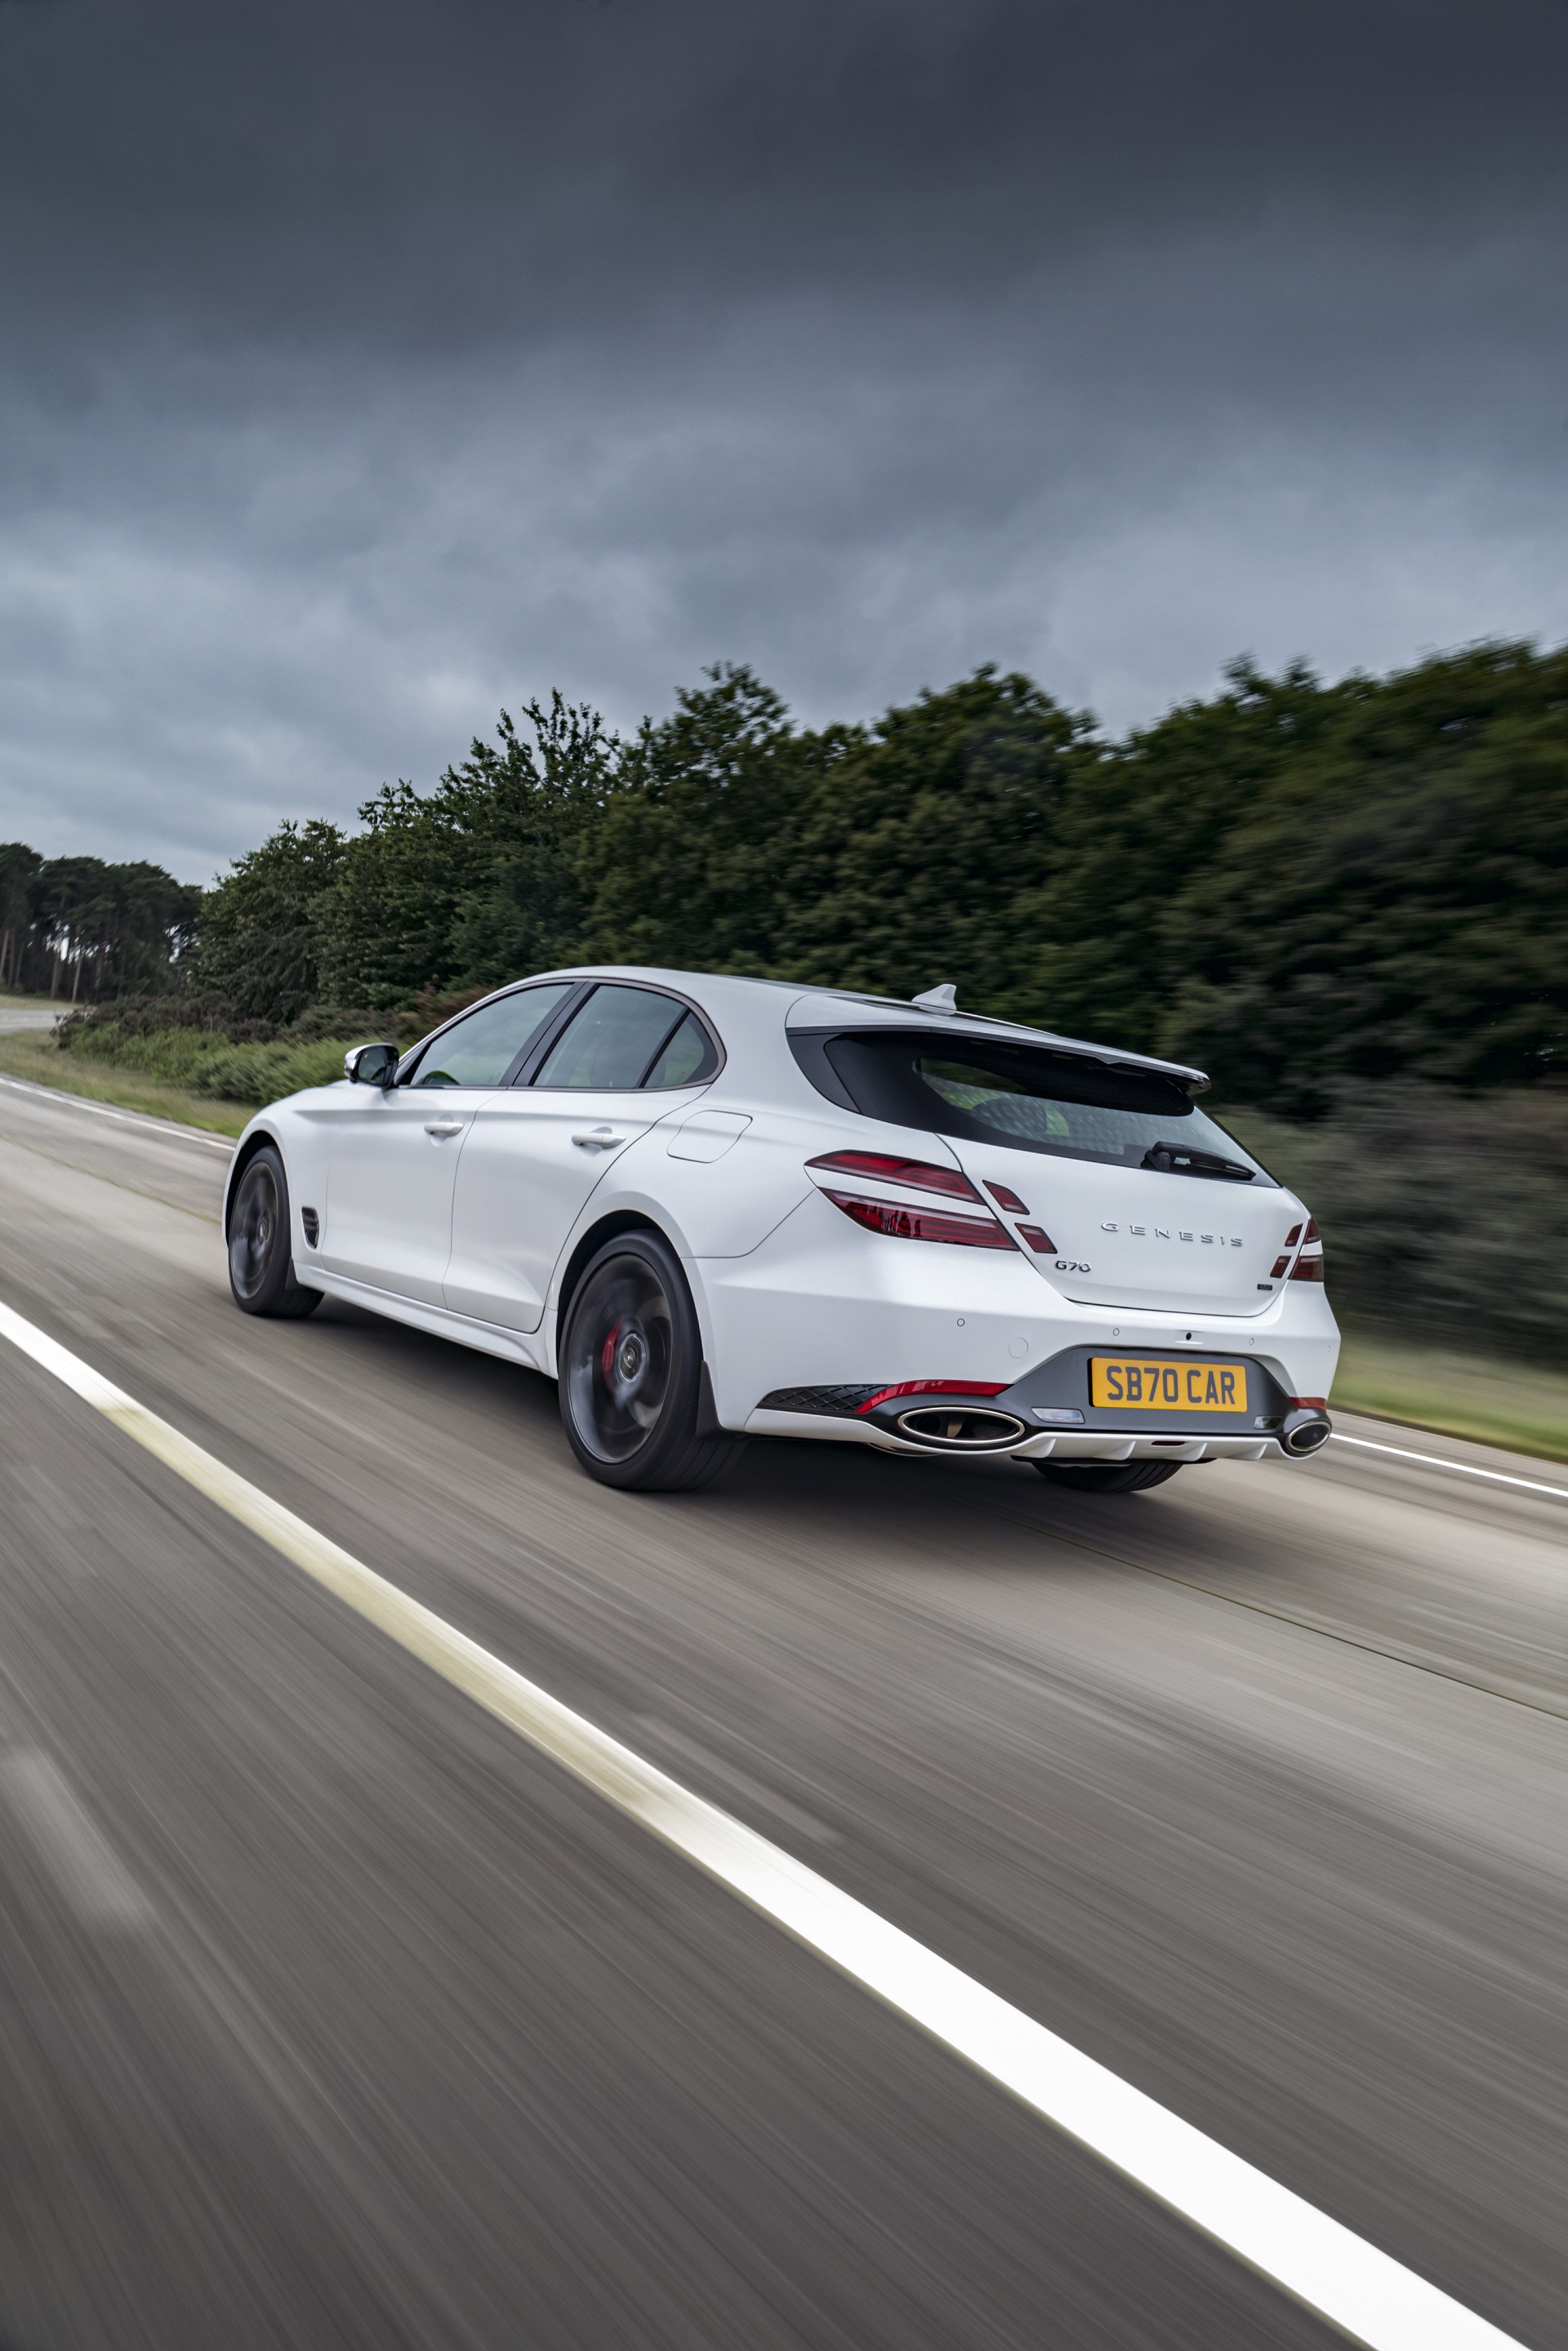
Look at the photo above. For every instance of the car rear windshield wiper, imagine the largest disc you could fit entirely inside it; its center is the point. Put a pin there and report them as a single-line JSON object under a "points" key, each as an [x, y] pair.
{"points": [[1171, 1159]]}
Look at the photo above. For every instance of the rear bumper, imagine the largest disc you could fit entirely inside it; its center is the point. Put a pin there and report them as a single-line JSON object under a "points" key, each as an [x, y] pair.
{"points": [[819, 1303]]}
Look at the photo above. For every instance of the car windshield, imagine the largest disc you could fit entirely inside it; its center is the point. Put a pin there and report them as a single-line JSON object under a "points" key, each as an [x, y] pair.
{"points": [[1033, 1098]]}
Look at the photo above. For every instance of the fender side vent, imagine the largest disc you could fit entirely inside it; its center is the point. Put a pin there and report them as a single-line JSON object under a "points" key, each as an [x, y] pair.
{"points": [[312, 1224]]}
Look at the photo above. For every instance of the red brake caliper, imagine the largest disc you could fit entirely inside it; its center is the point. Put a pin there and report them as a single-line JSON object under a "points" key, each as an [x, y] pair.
{"points": [[607, 1353]]}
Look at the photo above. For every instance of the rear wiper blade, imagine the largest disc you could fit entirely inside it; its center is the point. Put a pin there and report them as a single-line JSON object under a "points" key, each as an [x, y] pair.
{"points": [[1175, 1159]]}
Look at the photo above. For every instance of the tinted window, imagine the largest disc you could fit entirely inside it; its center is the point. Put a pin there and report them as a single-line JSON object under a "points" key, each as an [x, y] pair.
{"points": [[687, 1059], [613, 1040], [478, 1050], [1034, 1100]]}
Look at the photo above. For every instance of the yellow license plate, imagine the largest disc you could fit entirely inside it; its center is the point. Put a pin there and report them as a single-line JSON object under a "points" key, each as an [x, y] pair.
{"points": [[1122, 1382]]}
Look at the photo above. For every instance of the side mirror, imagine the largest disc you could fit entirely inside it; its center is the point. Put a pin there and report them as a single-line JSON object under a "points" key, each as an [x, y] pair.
{"points": [[371, 1065]]}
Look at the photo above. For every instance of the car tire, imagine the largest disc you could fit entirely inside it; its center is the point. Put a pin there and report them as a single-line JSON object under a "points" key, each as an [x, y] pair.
{"points": [[261, 1253], [1108, 1476], [632, 1393]]}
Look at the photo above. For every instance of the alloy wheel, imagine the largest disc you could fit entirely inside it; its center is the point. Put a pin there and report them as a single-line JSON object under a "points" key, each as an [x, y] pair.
{"points": [[621, 1357], [253, 1230]]}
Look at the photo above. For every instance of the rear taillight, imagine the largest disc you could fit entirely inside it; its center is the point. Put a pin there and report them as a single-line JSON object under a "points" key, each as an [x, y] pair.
{"points": [[910, 1220], [1039, 1239], [1281, 1264], [1309, 1265], [920, 1224], [914, 1174], [1006, 1197]]}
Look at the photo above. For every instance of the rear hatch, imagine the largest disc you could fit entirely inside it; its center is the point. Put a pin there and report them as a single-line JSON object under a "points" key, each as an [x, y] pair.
{"points": [[1137, 1237], [1120, 1190]]}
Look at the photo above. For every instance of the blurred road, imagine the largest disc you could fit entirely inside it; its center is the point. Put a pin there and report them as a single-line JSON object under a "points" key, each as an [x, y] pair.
{"points": [[333, 2014]]}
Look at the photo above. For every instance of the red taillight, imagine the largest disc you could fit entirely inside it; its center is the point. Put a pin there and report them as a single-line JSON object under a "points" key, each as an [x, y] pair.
{"points": [[932, 1388], [1309, 1265], [1006, 1197], [921, 1223], [1282, 1263], [1040, 1242], [918, 1174]]}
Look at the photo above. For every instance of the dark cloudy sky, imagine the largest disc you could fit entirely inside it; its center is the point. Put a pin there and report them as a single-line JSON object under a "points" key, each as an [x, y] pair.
{"points": [[363, 367]]}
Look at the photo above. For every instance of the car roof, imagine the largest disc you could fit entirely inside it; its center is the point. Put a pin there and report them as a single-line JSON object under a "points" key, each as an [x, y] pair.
{"points": [[732, 994]]}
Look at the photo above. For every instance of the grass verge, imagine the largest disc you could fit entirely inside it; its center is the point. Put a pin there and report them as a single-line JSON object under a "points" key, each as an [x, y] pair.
{"points": [[1454, 1394], [31, 1054]]}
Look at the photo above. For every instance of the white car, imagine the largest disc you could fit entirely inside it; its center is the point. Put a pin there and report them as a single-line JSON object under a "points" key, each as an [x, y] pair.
{"points": [[711, 1207]]}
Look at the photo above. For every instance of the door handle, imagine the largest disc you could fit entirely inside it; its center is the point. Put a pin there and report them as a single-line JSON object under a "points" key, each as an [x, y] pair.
{"points": [[444, 1125], [602, 1139]]}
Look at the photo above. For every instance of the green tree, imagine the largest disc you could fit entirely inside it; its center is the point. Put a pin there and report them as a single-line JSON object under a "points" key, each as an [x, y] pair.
{"points": [[100, 928], [18, 880], [698, 858], [1393, 903], [530, 809], [1137, 822], [259, 949], [886, 857], [478, 879], [929, 837]]}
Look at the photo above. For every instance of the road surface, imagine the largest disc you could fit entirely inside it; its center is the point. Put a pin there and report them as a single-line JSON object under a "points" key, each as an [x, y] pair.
{"points": [[333, 2014]]}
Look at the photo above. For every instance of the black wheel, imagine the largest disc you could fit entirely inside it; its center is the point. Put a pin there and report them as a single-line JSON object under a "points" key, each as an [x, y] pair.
{"points": [[631, 1386], [261, 1269], [1108, 1476]]}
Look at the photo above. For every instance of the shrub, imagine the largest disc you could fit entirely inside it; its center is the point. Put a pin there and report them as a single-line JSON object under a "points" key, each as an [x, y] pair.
{"points": [[264, 1073], [218, 1055]]}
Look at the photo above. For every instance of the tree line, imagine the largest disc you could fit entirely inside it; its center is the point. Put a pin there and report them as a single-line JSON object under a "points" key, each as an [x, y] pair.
{"points": [[74, 927], [1299, 886]]}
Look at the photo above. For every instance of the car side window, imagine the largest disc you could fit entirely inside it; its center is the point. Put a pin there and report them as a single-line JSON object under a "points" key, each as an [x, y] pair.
{"points": [[688, 1060], [614, 1042], [479, 1050]]}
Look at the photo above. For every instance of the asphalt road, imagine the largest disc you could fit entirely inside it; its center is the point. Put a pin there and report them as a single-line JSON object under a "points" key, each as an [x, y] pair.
{"points": [[332, 2014]]}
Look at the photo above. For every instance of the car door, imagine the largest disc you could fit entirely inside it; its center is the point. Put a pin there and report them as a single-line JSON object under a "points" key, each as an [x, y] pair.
{"points": [[392, 1156], [627, 1058]]}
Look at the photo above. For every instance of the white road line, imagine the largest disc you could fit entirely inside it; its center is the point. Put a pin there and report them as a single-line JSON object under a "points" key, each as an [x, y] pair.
{"points": [[1459, 1468], [1364, 2293], [125, 1117], [765, 1799]]}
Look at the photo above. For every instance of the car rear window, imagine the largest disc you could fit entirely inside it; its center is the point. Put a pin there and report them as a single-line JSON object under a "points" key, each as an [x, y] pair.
{"points": [[1031, 1098], [688, 1060]]}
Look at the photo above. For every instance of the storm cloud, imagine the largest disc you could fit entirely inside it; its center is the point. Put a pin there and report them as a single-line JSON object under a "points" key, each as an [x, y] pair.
{"points": [[364, 369]]}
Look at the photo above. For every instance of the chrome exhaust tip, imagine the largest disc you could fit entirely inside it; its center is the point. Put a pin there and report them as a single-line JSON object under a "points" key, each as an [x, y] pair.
{"points": [[961, 1428], [1304, 1431]]}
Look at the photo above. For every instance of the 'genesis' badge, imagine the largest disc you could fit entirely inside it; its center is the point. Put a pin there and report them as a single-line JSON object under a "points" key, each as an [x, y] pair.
{"points": [[1209, 1241]]}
